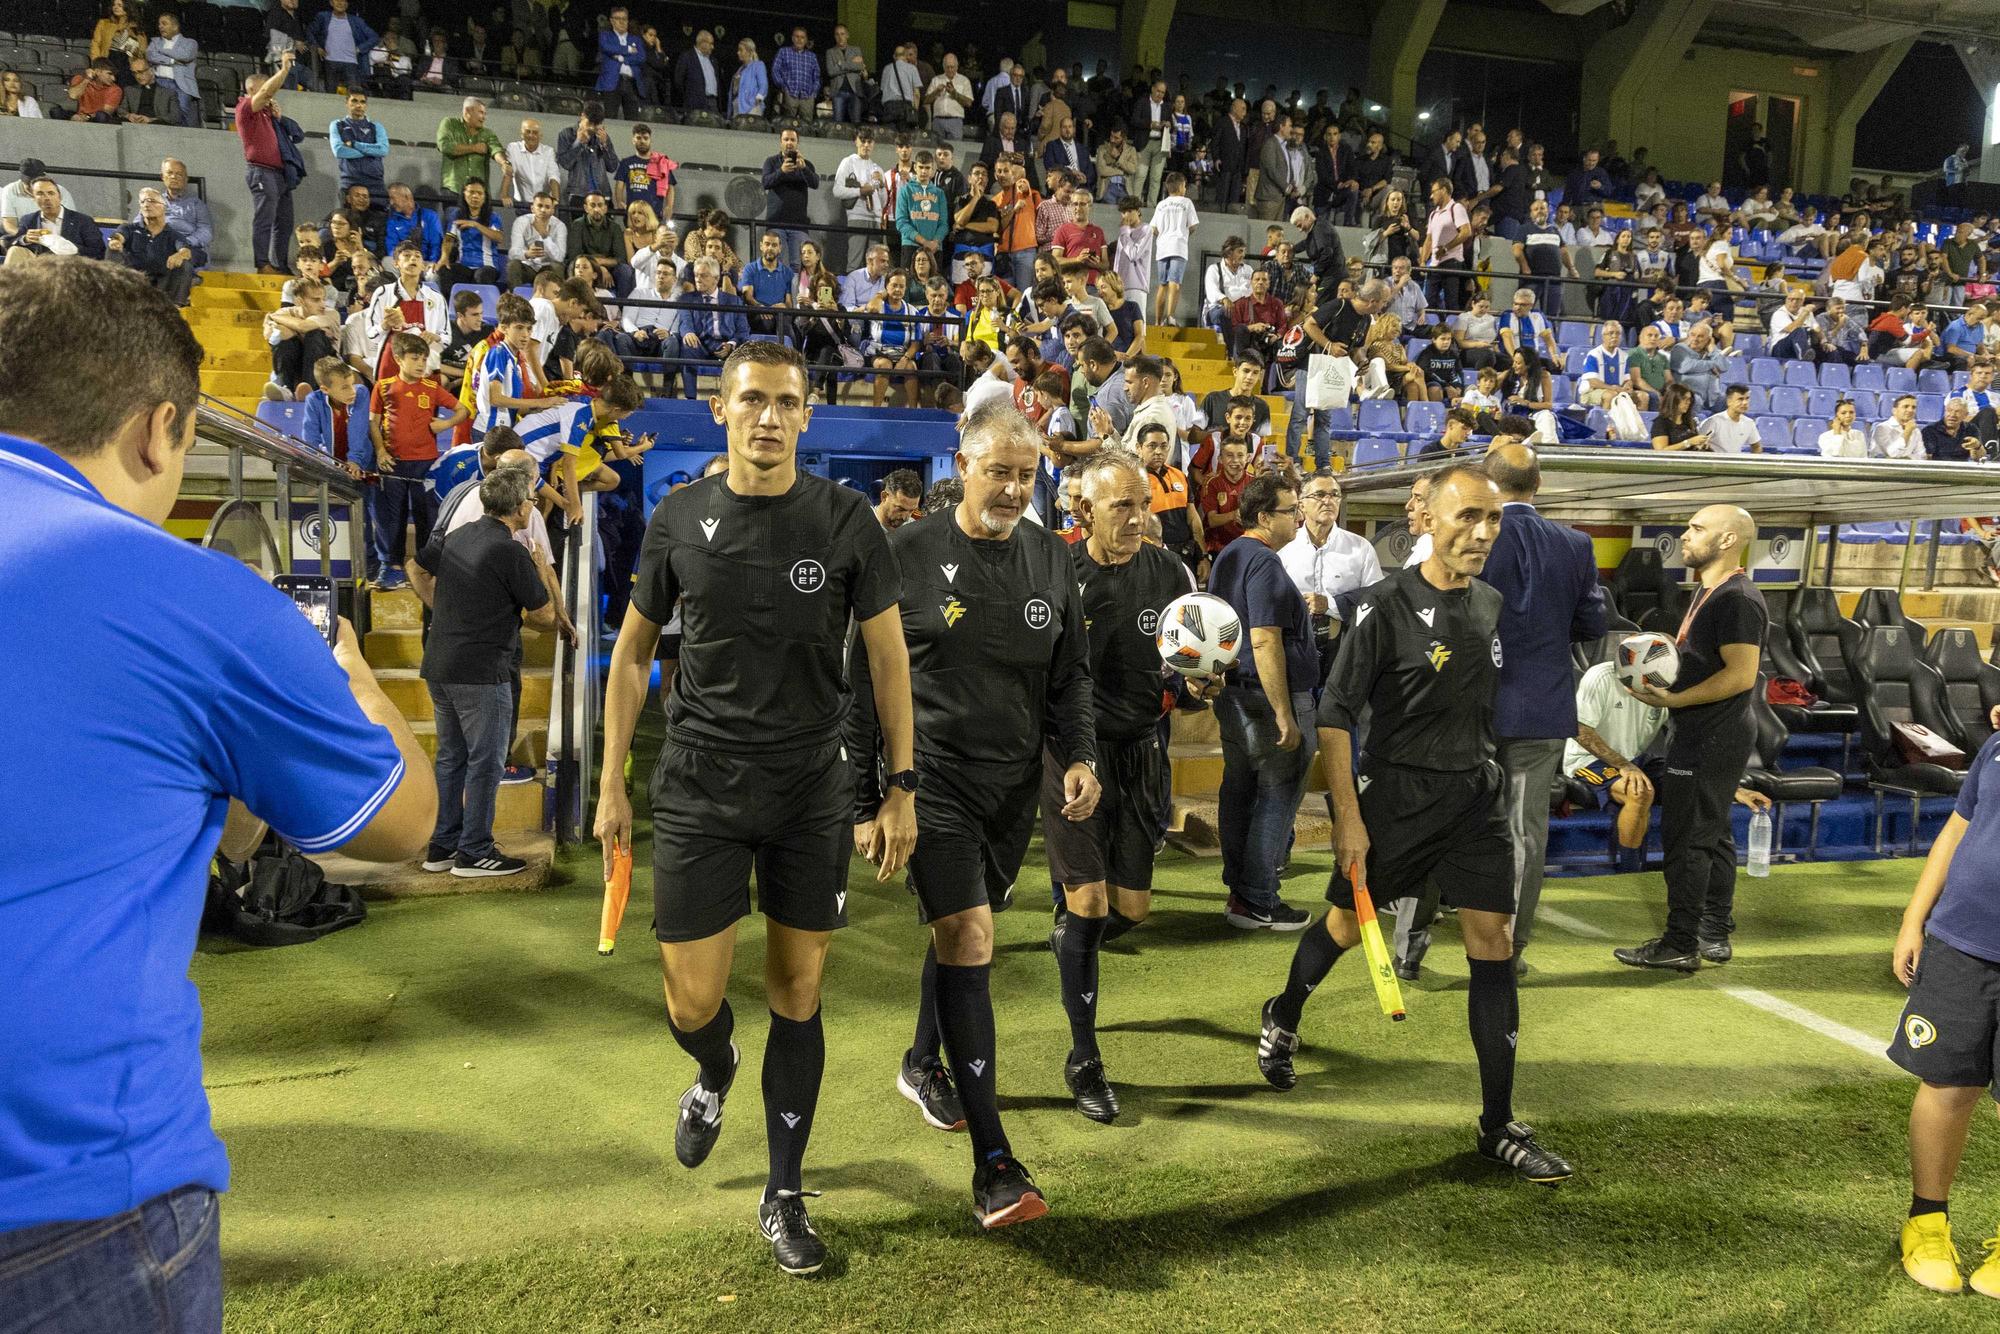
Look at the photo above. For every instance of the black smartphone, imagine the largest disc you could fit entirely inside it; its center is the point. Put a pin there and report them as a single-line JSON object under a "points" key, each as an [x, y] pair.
{"points": [[313, 595]]}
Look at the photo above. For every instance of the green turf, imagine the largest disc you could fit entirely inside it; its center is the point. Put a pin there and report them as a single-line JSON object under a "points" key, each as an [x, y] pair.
{"points": [[459, 1118]]}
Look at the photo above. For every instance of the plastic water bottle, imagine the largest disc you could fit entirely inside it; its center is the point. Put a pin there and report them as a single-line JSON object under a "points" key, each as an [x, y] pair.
{"points": [[1760, 844]]}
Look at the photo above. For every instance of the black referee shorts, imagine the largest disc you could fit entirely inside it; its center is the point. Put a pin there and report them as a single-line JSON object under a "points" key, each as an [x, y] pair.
{"points": [[1950, 1029], [717, 816], [973, 826], [1425, 823], [1115, 844]]}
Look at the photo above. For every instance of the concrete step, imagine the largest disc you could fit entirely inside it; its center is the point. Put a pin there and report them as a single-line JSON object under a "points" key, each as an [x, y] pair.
{"points": [[530, 748], [390, 645], [233, 338], [235, 384], [409, 879], [206, 297], [220, 317], [253, 359], [412, 696], [240, 281], [1195, 828]]}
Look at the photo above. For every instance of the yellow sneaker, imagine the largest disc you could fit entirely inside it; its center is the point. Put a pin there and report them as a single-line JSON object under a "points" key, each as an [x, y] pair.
{"points": [[1985, 1280], [1931, 1259]]}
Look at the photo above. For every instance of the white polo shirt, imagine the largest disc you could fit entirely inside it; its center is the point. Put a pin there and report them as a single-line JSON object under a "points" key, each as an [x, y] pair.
{"points": [[1733, 437]]}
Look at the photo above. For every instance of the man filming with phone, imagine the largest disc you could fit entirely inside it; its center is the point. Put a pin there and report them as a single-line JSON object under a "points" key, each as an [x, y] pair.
{"points": [[166, 679]]}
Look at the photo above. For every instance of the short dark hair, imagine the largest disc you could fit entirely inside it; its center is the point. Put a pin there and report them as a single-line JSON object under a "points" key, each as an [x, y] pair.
{"points": [[1260, 498], [1097, 350], [764, 354], [406, 343], [1513, 425], [500, 440], [622, 393], [1148, 365], [463, 300], [150, 358], [903, 482], [1049, 290]]}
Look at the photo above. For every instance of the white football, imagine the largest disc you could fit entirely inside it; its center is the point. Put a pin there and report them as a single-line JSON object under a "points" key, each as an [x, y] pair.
{"points": [[1647, 659], [1199, 634]]}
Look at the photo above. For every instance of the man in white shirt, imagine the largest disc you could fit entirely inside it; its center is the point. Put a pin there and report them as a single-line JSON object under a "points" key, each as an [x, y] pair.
{"points": [[1152, 123], [1226, 282], [1861, 287], [534, 164], [1841, 439], [1900, 437], [1978, 394], [1326, 561], [1618, 727], [949, 94], [860, 184], [1714, 207], [539, 240], [1732, 431], [1791, 327]]}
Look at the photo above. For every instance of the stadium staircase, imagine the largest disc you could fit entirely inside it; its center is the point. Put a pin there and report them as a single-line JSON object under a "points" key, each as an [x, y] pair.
{"points": [[226, 312]]}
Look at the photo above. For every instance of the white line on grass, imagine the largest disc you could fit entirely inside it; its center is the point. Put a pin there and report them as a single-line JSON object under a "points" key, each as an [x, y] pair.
{"points": [[1864, 1043]]}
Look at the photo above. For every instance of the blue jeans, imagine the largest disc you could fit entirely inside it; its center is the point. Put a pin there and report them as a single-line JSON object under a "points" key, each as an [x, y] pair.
{"points": [[1018, 268], [1295, 428], [847, 107], [472, 744], [270, 216], [1260, 789], [154, 1268], [403, 500]]}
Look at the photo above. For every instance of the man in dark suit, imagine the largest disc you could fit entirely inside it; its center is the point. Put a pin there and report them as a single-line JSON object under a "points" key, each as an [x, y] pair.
{"points": [[1546, 573], [1285, 172], [1230, 146], [1007, 138], [1012, 96], [699, 82], [53, 229], [1067, 151], [1444, 160], [714, 329]]}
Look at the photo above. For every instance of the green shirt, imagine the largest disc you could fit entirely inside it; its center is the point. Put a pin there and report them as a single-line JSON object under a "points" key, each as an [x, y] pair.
{"points": [[453, 133], [604, 238], [1652, 367]]}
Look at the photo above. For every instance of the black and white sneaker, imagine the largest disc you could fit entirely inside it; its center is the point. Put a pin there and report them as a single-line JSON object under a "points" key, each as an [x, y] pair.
{"points": [[1656, 953], [701, 1116], [1514, 1145], [476, 868], [1003, 1193], [1249, 917], [439, 859], [794, 1244], [928, 1086], [1092, 1092], [1274, 1051], [1715, 949]]}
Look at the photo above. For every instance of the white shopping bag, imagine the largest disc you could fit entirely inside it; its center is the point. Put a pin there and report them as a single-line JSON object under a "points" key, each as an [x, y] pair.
{"points": [[1329, 381], [1625, 419]]}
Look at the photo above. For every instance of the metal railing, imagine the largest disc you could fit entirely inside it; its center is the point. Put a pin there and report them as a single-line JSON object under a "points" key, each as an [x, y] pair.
{"points": [[575, 701]]}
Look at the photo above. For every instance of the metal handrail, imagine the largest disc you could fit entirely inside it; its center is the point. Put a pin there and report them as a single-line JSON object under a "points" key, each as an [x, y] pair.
{"points": [[575, 696]]}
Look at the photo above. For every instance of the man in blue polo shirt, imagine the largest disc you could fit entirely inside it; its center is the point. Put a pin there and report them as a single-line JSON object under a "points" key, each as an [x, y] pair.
{"points": [[166, 679], [1266, 709]]}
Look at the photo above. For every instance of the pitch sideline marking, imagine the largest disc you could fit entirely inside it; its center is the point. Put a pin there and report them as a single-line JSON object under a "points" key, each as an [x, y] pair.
{"points": [[1751, 996]]}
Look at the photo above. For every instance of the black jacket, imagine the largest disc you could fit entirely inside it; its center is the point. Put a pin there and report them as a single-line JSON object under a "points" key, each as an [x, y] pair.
{"points": [[690, 93]]}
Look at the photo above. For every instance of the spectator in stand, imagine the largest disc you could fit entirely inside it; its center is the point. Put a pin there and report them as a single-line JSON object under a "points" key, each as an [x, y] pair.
{"points": [[1284, 176], [947, 97], [921, 221], [94, 95], [475, 224], [1406, 294], [789, 181], [860, 287], [539, 241], [1978, 394], [1525, 327], [1843, 335], [405, 222], [796, 75], [621, 60], [589, 163], [1855, 271], [902, 88], [1842, 439], [147, 101], [481, 585], [697, 82], [846, 76], [265, 174], [1065, 150], [1080, 239], [1699, 365], [533, 166], [299, 336], [646, 177], [712, 329], [597, 237], [342, 41], [1116, 167], [1794, 336], [1221, 495], [1952, 440], [409, 304], [862, 186], [16, 100], [1226, 282], [158, 249], [1588, 185], [173, 54], [437, 69], [404, 426], [1899, 437], [1901, 335], [767, 281], [750, 85], [360, 150], [1444, 245], [1732, 431], [1258, 321], [1018, 204], [470, 150], [1964, 336], [1370, 171], [186, 210]]}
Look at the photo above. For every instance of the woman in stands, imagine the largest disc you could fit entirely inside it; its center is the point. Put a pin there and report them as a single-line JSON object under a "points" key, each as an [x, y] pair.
{"points": [[348, 260], [825, 339], [1527, 387], [642, 228], [1674, 428], [15, 99], [986, 322], [475, 224], [118, 30], [1128, 334], [1619, 263], [1388, 371], [1649, 191], [813, 272], [923, 268], [1395, 235]]}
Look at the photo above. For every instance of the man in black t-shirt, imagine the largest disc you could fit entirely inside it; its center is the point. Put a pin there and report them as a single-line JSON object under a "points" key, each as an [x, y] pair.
{"points": [[1427, 802], [1339, 328], [769, 564], [999, 667], [1720, 640], [1105, 863]]}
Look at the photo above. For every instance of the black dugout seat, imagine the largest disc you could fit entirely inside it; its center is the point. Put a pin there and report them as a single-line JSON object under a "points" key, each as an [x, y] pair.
{"points": [[1898, 687], [1784, 786]]}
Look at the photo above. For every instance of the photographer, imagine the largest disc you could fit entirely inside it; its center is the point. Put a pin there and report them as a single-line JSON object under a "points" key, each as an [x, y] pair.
{"points": [[167, 680], [789, 180]]}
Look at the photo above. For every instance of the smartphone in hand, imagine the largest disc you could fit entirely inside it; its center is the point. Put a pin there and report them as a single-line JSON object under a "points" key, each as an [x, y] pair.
{"points": [[313, 595]]}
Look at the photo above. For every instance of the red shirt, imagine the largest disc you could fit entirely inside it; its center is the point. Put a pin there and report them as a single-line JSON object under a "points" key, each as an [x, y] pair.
{"points": [[413, 319], [339, 431], [259, 132], [1248, 310], [1077, 241], [93, 97], [966, 295], [408, 411], [1208, 455], [1218, 495]]}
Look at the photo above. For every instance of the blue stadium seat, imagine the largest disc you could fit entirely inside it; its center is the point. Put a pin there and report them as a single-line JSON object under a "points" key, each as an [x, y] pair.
{"points": [[1564, 390], [1424, 420], [1788, 401], [1801, 374], [1868, 377], [1934, 381], [1763, 370], [1750, 345], [1899, 379], [1930, 408], [1820, 402], [1777, 432], [1574, 333], [1960, 379], [1599, 422], [1835, 375], [1374, 452], [288, 418], [1760, 400], [489, 298], [525, 292], [1379, 416], [1340, 421], [1865, 408]]}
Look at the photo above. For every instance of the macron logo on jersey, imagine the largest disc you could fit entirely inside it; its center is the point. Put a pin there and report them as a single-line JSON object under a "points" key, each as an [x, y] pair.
{"points": [[950, 572], [1361, 612], [708, 527], [791, 1120], [1427, 615]]}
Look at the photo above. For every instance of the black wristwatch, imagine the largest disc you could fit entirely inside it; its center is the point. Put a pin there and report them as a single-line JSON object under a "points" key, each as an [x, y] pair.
{"points": [[905, 781]]}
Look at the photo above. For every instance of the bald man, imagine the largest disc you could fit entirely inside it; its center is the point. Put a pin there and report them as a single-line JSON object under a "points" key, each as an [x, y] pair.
{"points": [[1720, 638]]}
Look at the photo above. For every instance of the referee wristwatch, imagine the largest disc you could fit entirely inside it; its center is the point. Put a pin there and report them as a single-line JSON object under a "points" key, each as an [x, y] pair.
{"points": [[906, 781], [1090, 765]]}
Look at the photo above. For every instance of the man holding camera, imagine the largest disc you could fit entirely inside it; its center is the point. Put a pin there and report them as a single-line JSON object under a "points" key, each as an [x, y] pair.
{"points": [[789, 181]]}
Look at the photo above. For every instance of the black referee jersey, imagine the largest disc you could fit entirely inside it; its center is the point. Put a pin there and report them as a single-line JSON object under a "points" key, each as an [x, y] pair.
{"points": [[1121, 611], [1427, 662], [766, 586]]}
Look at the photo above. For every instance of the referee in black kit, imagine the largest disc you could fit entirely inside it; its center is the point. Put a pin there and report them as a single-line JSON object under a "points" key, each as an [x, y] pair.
{"points": [[768, 564], [1428, 801], [999, 662], [1105, 863]]}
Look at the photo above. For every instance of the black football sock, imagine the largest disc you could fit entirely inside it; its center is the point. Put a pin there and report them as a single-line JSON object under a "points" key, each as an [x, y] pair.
{"points": [[1076, 962], [709, 1045], [1920, 1205], [794, 1058], [1313, 960], [925, 1046], [1116, 925], [1493, 1010], [965, 1015]]}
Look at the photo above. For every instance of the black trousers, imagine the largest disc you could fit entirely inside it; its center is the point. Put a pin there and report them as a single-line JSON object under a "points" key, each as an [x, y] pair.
{"points": [[293, 359], [1696, 790], [622, 101]]}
